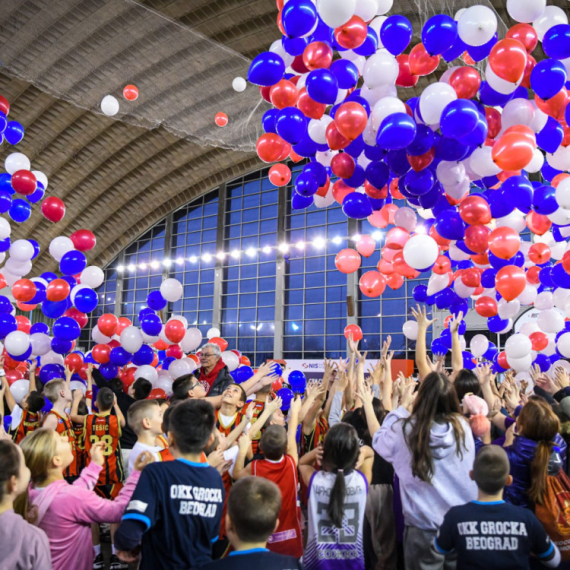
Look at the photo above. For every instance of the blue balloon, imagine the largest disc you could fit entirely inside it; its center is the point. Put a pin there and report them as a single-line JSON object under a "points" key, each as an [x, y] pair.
{"points": [[396, 34], [491, 352], [286, 396], [431, 198], [14, 132], [499, 204], [3, 122], [548, 78], [119, 356], [109, 370], [151, 324], [36, 247], [72, 262], [322, 32], [356, 147], [449, 225], [297, 381], [49, 276], [298, 17], [423, 141], [357, 179], [497, 325], [5, 202], [356, 206], [439, 34], [397, 162], [419, 183], [479, 53], [20, 211], [6, 183], [291, 125], [266, 69], [545, 276], [60, 345], [268, 120], [488, 278], [396, 132], [70, 279], [51, 371], [437, 347], [294, 46], [559, 276], [544, 200], [550, 137], [459, 118], [299, 202], [166, 361], [66, 328], [55, 309], [306, 185], [144, 355], [318, 171], [518, 191], [556, 42], [156, 301], [86, 300], [377, 174], [543, 362], [450, 149], [478, 135], [322, 86], [8, 324], [370, 45], [307, 147], [488, 96], [420, 293], [39, 328], [243, 373]]}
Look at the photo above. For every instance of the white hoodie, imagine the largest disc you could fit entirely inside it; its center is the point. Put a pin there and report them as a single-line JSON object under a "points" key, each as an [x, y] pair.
{"points": [[425, 504]]}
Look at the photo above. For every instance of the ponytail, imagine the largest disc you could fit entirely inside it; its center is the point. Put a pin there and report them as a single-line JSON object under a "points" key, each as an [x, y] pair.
{"points": [[335, 509], [539, 471]]}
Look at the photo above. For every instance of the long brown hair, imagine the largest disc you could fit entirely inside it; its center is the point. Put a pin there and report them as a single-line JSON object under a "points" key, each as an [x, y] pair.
{"points": [[436, 401], [538, 422]]}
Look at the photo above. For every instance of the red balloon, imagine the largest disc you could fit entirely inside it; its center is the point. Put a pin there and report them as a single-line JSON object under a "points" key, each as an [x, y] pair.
{"points": [[74, 362], [396, 238], [317, 55], [508, 59], [157, 394], [537, 223], [394, 281], [122, 324], [24, 182], [4, 105], [421, 62], [83, 240], [101, 353], [130, 92], [347, 260], [442, 265], [405, 78], [58, 290], [174, 330], [284, 94], [525, 34], [113, 343], [477, 238], [530, 65], [26, 307], [494, 121], [401, 267], [342, 165], [340, 191], [264, 92], [160, 345], [335, 139], [269, 147], [422, 161], [471, 277], [539, 253], [378, 194], [277, 385], [53, 209], [83, 371], [566, 262], [279, 174], [24, 290], [128, 377], [504, 242], [372, 284], [366, 245], [174, 351], [222, 343], [486, 306], [466, 82], [351, 120], [310, 108], [475, 211], [23, 323], [299, 66], [352, 34], [324, 190], [554, 106], [502, 360], [510, 282], [513, 151], [244, 361], [539, 340], [13, 375], [108, 324], [353, 330]]}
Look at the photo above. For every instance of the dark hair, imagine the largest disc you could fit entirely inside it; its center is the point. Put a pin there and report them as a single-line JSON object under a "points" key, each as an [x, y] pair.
{"points": [[491, 469], [116, 384], [436, 401], [192, 423], [253, 506], [467, 382], [340, 454], [9, 463], [181, 386], [142, 388], [105, 399], [243, 395], [35, 402], [357, 419], [273, 442], [166, 416], [82, 408]]}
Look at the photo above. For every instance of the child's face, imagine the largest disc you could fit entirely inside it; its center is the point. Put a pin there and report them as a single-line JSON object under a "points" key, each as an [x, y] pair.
{"points": [[24, 402], [63, 450], [232, 395], [66, 394], [278, 418], [197, 391], [155, 420]]}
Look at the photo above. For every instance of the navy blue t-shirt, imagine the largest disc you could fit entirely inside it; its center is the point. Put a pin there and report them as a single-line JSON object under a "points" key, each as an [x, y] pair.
{"points": [[256, 558], [180, 505], [493, 535]]}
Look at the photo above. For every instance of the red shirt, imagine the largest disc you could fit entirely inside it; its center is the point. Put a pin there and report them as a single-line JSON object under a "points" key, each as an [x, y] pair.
{"points": [[208, 379], [65, 428]]}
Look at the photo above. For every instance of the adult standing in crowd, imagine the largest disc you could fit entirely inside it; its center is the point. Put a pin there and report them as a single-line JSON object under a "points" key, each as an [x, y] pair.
{"points": [[213, 374]]}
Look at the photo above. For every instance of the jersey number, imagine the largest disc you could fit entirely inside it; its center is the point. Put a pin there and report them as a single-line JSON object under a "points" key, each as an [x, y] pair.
{"points": [[326, 529], [106, 439]]}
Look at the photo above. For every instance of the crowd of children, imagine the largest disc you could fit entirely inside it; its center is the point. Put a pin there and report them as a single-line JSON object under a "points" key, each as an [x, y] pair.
{"points": [[360, 471]]}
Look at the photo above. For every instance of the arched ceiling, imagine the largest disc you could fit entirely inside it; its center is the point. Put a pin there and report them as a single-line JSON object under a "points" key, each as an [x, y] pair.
{"points": [[116, 177]]}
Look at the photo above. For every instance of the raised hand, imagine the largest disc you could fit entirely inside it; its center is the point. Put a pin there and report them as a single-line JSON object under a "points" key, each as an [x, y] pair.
{"points": [[275, 404], [455, 322], [485, 374], [97, 453], [386, 347], [420, 315], [562, 377], [144, 459]]}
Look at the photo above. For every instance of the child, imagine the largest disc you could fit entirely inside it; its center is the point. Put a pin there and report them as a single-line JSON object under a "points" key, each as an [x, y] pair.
{"points": [[22, 545], [145, 419], [490, 533], [253, 507], [279, 447], [230, 414], [165, 454], [337, 502], [65, 512], [176, 509]]}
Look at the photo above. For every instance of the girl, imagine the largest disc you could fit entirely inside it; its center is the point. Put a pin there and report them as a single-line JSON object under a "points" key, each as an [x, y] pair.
{"points": [[65, 512], [337, 501], [22, 546], [432, 451]]}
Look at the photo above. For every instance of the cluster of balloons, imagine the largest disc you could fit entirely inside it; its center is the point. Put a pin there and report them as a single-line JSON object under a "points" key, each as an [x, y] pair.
{"points": [[460, 154], [110, 104]]}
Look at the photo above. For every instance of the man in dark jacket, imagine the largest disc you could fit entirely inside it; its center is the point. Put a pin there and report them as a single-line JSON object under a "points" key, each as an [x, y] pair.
{"points": [[214, 374]]}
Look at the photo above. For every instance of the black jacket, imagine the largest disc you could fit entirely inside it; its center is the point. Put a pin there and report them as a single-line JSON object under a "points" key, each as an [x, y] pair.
{"points": [[222, 381]]}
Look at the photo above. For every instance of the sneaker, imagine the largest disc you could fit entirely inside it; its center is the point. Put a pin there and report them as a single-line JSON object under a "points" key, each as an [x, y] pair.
{"points": [[99, 563], [116, 564]]}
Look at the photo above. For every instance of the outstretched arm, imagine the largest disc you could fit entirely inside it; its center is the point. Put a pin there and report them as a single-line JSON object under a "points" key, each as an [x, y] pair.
{"points": [[456, 353], [421, 349]]}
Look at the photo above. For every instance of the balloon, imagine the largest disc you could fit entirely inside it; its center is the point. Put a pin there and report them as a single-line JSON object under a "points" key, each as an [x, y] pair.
{"points": [[372, 284], [381, 69], [16, 161], [421, 62], [353, 330], [72, 263], [459, 118], [279, 174], [410, 330], [550, 321], [556, 42], [433, 101], [477, 25], [171, 290], [24, 182], [345, 71], [351, 34], [298, 17], [397, 131], [319, 55], [66, 328], [57, 290], [83, 240], [17, 343], [20, 211], [486, 306], [439, 34], [101, 353], [508, 59], [504, 242], [335, 13], [396, 33], [420, 251], [510, 282], [24, 290], [322, 86], [356, 206], [466, 82], [548, 78], [266, 69], [525, 10], [53, 209], [86, 300], [192, 340], [283, 94], [479, 345], [351, 120], [513, 151], [131, 339], [405, 77]]}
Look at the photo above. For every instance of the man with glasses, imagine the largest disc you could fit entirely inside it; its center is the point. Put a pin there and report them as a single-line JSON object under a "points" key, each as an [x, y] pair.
{"points": [[213, 374]]}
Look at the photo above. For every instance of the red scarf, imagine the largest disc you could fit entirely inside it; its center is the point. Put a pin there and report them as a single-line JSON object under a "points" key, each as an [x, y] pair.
{"points": [[210, 378]]}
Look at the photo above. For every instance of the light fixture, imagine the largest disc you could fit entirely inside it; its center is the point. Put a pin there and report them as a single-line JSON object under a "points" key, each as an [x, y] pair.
{"points": [[300, 245], [131, 267], [319, 243], [207, 258], [283, 248], [179, 260], [155, 264], [295, 327], [251, 252], [236, 253], [221, 255], [266, 249], [142, 266], [193, 259], [120, 268], [356, 237], [337, 240], [377, 236], [167, 262]]}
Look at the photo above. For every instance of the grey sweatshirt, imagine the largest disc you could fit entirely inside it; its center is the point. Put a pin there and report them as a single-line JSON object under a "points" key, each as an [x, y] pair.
{"points": [[425, 504]]}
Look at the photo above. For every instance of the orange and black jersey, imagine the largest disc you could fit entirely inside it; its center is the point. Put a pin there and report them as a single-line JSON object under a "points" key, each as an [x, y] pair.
{"points": [[258, 407], [227, 429], [30, 422], [106, 428], [311, 441], [65, 429], [80, 446]]}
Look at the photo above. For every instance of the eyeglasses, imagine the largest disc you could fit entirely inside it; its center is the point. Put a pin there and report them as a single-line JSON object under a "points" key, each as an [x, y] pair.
{"points": [[207, 355]]}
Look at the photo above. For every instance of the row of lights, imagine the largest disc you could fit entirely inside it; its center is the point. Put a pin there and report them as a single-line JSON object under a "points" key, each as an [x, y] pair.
{"points": [[317, 243]]}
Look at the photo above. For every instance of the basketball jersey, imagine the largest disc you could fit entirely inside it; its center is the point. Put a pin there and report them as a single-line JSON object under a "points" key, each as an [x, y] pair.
{"points": [[311, 441], [287, 539], [65, 429], [258, 407], [106, 428], [328, 547], [80, 447], [165, 455], [162, 441], [226, 429], [30, 422]]}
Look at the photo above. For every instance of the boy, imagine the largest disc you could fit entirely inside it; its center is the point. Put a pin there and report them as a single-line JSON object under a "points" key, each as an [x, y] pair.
{"points": [[279, 447], [176, 509], [253, 507], [145, 419], [489, 533], [231, 413]]}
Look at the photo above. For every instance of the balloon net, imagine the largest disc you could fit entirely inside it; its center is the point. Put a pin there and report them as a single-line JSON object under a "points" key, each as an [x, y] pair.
{"points": [[82, 50]]}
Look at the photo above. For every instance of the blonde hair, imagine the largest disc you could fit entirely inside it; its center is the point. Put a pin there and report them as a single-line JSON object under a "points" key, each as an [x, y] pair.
{"points": [[138, 412], [53, 388]]}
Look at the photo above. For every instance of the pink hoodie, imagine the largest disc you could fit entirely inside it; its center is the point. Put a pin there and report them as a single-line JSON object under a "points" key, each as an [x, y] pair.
{"points": [[65, 512]]}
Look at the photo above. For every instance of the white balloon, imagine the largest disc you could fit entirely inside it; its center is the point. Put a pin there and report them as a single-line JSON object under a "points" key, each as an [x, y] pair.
{"points": [[384, 6], [448, 73], [230, 359], [421, 251], [10, 277], [385, 107], [551, 16], [163, 337], [41, 344], [179, 368], [148, 339], [52, 358], [239, 84], [318, 127], [21, 250], [458, 14], [78, 385], [180, 318], [536, 163], [462, 290], [99, 337], [517, 112], [16, 267], [341, 95], [131, 339], [17, 343], [544, 301], [559, 159], [406, 218], [433, 101], [191, 341], [109, 105], [507, 328], [213, 333], [520, 364], [499, 84], [16, 161], [560, 297], [410, 330], [458, 191], [562, 193], [479, 345], [563, 345], [324, 201], [528, 295], [382, 68], [550, 321], [41, 177], [525, 11], [514, 220], [59, 246], [335, 13], [5, 229], [477, 25], [560, 217], [277, 47], [366, 9], [76, 290], [518, 346], [509, 309], [376, 25], [92, 276], [164, 382], [437, 283], [19, 389], [171, 290], [457, 254], [450, 173], [481, 162], [374, 95], [325, 157], [148, 372]]}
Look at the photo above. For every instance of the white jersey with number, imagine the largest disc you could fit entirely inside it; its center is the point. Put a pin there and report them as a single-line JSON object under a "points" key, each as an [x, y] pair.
{"points": [[328, 547]]}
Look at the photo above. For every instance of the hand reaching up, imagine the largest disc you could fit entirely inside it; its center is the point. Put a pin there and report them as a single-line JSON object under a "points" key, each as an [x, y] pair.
{"points": [[420, 315]]}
